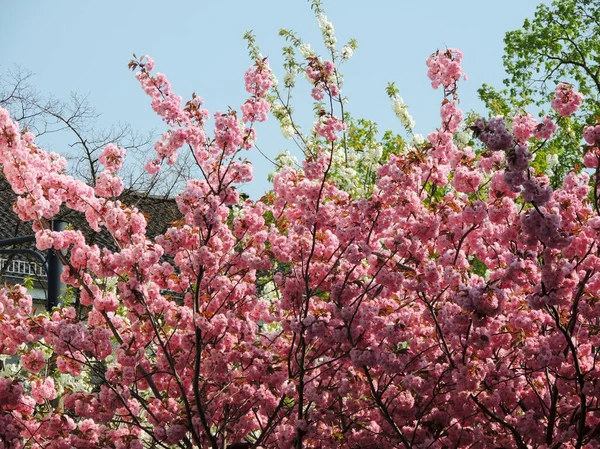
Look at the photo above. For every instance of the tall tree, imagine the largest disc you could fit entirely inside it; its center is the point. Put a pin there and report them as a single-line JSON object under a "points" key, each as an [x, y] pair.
{"points": [[560, 44]]}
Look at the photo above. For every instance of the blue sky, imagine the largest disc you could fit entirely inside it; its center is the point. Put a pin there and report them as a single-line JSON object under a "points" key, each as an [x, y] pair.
{"points": [[84, 46]]}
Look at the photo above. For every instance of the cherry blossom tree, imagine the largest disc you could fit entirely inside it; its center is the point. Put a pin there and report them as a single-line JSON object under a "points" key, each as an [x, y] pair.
{"points": [[450, 300]]}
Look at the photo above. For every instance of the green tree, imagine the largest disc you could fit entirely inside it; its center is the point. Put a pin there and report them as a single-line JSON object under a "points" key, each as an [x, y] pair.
{"points": [[560, 44]]}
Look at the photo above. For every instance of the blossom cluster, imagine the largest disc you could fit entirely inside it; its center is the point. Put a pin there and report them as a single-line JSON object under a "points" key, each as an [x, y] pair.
{"points": [[444, 68], [566, 100], [591, 134], [112, 157], [328, 32], [401, 111], [323, 76], [493, 134]]}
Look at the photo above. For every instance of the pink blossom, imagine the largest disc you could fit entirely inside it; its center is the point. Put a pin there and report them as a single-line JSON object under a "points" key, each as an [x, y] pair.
{"points": [[466, 180], [148, 63], [546, 129], [317, 93], [33, 361], [524, 126], [328, 126], [566, 100], [108, 185], [112, 157], [591, 158], [591, 134], [153, 166], [451, 116], [444, 68], [43, 391], [255, 110], [11, 393], [258, 79]]}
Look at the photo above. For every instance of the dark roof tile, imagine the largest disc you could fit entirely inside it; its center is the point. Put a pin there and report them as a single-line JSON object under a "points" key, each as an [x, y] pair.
{"points": [[159, 213]]}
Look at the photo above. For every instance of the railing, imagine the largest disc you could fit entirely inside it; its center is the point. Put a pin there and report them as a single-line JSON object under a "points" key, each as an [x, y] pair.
{"points": [[21, 268]]}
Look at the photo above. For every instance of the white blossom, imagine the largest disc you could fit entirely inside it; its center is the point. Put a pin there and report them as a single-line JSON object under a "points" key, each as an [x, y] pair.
{"points": [[236, 212], [278, 109], [463, 138], [289, 79], [347, 52], [288, 131], [286, 159], [327, 30], [269, 291], [401, 111], [372, 155], [305, 50], [418, 140], [551, 160]]}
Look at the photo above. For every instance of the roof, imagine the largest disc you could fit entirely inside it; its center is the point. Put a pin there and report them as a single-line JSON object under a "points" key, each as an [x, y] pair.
{"points": [[10, 225], [159, 212]]}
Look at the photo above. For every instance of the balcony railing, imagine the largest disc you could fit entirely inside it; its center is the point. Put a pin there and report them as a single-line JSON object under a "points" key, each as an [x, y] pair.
{"points": [[21, 268]]}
